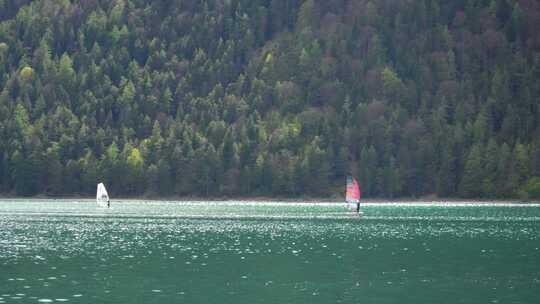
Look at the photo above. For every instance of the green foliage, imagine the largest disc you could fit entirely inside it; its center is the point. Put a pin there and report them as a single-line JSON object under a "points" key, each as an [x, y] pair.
{"points": [[135, 159], [471, 184], [3, 47], [260, 97], [532, 188], [25, 174], [392, 85], [27, 73]]}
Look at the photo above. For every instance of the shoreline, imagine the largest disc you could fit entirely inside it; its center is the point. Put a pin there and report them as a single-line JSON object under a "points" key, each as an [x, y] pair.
{"points": [[259, 199]]}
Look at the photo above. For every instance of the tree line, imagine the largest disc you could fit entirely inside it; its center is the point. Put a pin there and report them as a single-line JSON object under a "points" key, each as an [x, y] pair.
{"points": [[270, 97]]}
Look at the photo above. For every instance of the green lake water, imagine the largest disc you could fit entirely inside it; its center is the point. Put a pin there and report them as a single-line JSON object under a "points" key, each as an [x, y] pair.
{"points": [[242, 252]]}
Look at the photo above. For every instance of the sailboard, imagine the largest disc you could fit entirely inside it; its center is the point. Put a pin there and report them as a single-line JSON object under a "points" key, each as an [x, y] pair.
{"points": [[352, 196], [102, 197]]}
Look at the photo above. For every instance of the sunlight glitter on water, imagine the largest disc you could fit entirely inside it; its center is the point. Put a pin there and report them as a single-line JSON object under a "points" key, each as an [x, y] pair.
{"points": [[270, 252]]}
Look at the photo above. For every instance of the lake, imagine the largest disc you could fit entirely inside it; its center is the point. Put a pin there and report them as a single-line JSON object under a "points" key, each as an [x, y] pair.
{"points": [[267, 252]]}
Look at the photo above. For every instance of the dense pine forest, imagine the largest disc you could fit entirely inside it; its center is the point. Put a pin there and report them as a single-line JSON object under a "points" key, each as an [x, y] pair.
{"points": [[270, 97]]}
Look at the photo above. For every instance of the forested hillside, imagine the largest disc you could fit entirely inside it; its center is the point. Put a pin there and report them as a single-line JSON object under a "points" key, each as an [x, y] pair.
{"points": [[270, 97]]}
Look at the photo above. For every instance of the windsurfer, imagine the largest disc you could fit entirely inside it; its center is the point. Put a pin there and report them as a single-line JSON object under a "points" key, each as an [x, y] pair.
{"points": [[352, 195]]}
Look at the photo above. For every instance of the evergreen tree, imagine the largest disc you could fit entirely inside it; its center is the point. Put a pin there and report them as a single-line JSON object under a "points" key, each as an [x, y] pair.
{"points": [[471, 184], [269, 98]]}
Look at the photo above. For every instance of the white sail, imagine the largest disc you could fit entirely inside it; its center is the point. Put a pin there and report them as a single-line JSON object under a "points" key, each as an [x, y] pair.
{"points": [[102, 197]]}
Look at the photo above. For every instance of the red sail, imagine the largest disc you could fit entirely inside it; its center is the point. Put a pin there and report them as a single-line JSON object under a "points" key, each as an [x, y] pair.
{"points": [[353, 191]]}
